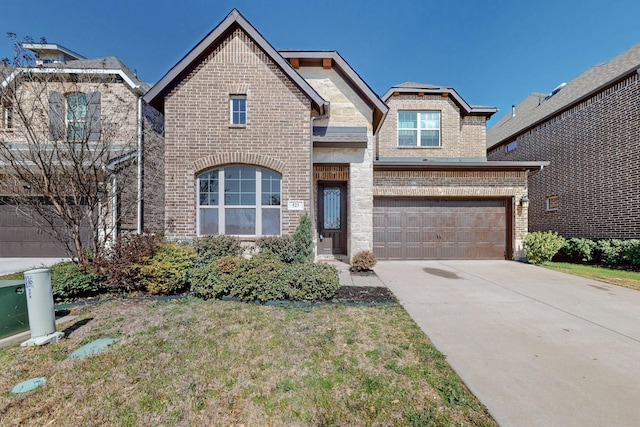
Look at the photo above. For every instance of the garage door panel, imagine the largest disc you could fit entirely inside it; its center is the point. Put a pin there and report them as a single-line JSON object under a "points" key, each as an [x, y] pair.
{"points": [[440, 229]]}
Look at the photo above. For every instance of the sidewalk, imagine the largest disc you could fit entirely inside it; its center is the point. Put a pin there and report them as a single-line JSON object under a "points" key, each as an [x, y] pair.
{"points": [[349, 279]]}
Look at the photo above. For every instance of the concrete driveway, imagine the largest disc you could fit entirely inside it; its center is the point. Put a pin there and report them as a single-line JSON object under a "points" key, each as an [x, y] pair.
{"points": [[11, 265], [537, 347]]}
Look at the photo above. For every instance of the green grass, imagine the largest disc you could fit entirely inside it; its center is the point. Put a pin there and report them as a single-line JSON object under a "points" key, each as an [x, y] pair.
{"points": [[629, 279], [191, 362]]}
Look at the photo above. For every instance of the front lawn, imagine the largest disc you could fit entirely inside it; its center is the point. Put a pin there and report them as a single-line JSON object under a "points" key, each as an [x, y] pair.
{"points": [[193, 362], [628, 279]]}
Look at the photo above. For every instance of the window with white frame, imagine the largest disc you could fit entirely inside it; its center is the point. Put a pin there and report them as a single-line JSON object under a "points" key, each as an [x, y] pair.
{"points": [[552, 203], [7, 117], [418, 129], [238, 109], [239, 200]]}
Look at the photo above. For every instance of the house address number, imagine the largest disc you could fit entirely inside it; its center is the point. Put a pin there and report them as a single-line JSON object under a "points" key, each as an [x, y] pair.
{"points": [[296, 205]]}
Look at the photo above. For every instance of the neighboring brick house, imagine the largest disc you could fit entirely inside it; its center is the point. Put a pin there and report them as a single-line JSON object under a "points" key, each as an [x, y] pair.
{"points": [[589, 130], [70, 101], [256, 137]]}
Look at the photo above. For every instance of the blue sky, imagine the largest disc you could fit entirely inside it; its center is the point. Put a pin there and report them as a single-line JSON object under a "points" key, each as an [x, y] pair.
{"points": [[492, 52]]}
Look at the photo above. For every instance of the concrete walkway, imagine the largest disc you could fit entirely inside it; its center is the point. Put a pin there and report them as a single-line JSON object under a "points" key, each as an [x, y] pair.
{"points": [[537, 347]]}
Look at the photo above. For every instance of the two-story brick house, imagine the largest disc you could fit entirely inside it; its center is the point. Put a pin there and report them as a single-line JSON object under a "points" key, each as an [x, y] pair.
{"points": [[589, 130], [66, 111], [255, 137]]}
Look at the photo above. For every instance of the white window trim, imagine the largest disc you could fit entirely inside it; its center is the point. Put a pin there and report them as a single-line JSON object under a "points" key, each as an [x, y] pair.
{"points": [[221, 206], [246, 112], [8, 117], [418, 129], [547, 202]]}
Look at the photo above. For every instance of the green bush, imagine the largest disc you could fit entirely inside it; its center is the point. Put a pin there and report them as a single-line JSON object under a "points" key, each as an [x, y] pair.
{"points": [[215, 247], [363, 261], [303, 237], [542, 246], [611, 251], [167, 271], [263, 277], [70, 280], [284, 247], [632, 251], [311, 282], [580, 249]]}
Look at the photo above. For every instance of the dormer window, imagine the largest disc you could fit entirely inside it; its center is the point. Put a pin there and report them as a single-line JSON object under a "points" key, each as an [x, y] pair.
{"points": [[418, 129]]}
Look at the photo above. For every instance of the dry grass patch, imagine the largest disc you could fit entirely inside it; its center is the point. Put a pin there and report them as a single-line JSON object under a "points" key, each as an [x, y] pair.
{"points": [[190, 362]]}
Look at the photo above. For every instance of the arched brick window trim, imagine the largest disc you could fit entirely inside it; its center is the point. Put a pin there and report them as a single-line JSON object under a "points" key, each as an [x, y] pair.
{"points": [[238, 158]]}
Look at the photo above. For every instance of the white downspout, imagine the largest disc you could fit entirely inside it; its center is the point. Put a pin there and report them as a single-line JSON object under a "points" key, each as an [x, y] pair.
{"points": [[140, 159]]}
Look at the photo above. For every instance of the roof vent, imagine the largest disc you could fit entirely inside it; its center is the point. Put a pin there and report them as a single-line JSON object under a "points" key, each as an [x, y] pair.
{"points": [[558, 88]]}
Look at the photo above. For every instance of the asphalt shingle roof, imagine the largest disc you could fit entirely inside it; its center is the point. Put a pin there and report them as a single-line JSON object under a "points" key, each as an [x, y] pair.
{"points": [[538, 107]]}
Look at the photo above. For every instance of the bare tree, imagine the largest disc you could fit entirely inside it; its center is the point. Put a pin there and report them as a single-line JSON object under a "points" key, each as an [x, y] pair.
{"points": [[70, 146]]}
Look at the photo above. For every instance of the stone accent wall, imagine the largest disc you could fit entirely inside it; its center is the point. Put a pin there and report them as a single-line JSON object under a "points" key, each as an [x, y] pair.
{"points": [[198, 133], [594, 150], [459, 184], [460, 136]]}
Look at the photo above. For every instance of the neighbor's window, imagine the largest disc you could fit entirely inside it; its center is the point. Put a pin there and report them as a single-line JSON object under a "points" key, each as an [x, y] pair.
{"points": [[511, 146], [418, 128], [239, 200], [553, 203], [76, 116], [8, 117], [238, 105]]}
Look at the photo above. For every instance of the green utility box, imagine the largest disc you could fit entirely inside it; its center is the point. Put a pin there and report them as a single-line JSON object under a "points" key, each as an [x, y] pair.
{"points": [[14, 317]]}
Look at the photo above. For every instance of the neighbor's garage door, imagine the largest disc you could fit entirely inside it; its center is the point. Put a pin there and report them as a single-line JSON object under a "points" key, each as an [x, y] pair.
{"points": [[440, 229], [19, 238]]}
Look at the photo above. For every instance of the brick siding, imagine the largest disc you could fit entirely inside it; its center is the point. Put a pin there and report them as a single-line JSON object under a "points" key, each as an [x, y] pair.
{"points": [[594, 150], [198, 130]]}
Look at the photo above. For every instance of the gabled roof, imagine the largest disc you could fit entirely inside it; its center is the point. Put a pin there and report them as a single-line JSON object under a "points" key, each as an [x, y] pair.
{"points": [[315, 57], [536, 109], [413, 87], [156, 94], [107, 65]]}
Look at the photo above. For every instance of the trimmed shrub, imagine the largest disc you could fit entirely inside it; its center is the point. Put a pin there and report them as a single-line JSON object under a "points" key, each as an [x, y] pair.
{"points": [[258, 279], [116, 262], [284, 247], [632, 251], [70, 280], [580, 249], [303, 238], [311, 282], [363, 261], [542, 246], [215, 247], [167, 271], [611, 251]]}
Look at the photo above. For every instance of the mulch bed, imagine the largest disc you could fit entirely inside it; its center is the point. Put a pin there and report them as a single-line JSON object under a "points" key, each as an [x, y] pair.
{"points": [[364, 295]]}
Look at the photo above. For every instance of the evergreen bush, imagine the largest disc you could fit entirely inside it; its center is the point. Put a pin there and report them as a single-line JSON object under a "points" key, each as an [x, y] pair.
{"points": [[542, 246], [166, 272]]}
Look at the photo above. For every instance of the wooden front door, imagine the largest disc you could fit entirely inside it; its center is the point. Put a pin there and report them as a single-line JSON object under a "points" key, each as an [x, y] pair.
{"points": [[332, 218]]}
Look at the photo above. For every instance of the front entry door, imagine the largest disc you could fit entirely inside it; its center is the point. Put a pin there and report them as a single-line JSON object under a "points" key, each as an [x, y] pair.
{"points": [[332, 218]]}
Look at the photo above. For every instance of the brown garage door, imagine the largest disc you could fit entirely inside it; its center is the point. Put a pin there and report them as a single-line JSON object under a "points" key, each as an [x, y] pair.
{"points": [[20, 238], [440, 229]]}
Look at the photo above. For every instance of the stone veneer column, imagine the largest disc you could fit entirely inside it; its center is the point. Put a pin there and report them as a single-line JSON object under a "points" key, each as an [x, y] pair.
{"points": [[361, 203]]}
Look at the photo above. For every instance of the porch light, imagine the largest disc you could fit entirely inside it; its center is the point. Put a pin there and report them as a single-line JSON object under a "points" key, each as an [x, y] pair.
{"points": [[524, 202]]}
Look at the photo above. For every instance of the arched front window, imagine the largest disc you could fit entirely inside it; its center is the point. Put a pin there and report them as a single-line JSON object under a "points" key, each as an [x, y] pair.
{"points": [[239, 200]]}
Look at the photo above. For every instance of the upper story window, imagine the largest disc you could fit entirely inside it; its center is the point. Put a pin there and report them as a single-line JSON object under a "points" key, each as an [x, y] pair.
{"points": [[74, 116], [418, 129], [239, 200], [511, 146], [7, 117], [238, 107]]}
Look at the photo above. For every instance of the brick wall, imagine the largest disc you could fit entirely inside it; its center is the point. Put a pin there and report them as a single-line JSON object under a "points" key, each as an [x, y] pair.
{"points": [[594, 150], [197, 129], [460, 137], [153, 171]]}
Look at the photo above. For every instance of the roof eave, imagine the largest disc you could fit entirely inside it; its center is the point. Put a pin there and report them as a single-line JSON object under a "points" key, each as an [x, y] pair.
{"points": [[155, 95]]}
